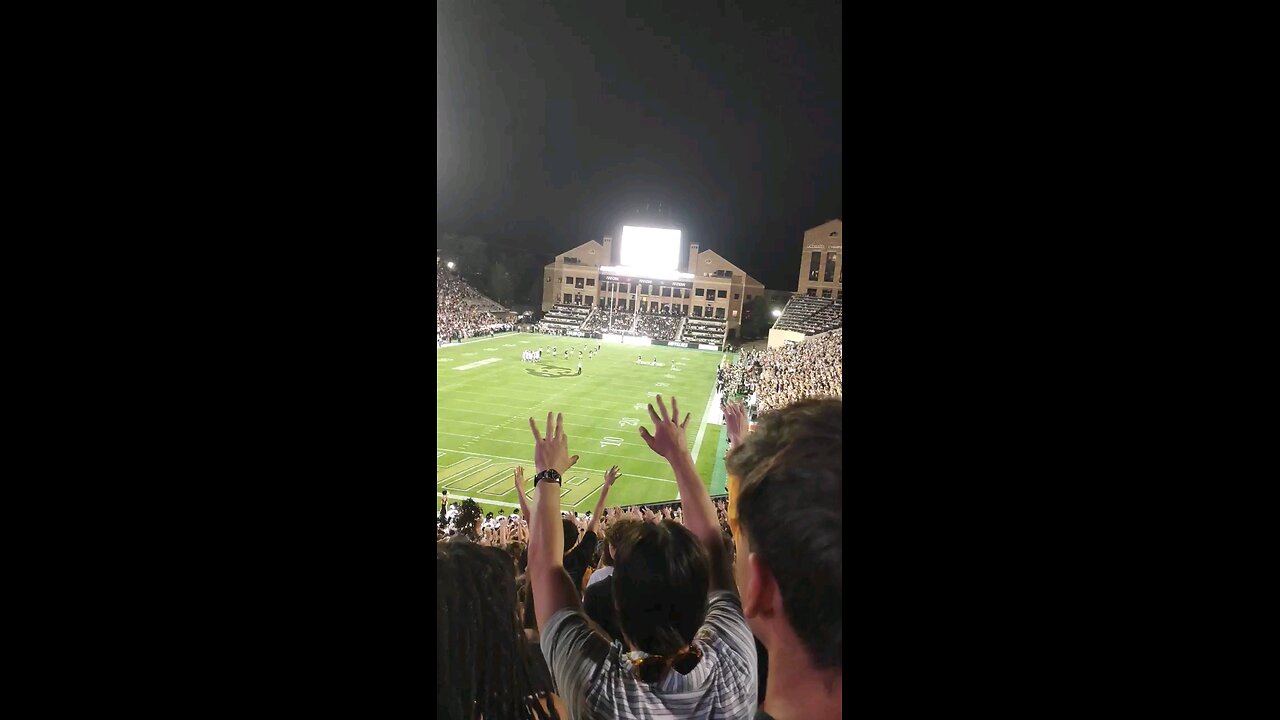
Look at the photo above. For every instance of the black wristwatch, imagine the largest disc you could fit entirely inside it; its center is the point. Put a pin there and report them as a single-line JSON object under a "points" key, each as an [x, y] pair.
{"points": [[548, 475]]}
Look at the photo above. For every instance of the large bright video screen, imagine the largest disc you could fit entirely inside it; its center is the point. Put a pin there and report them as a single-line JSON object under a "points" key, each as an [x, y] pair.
{"points": [[653, 248]]}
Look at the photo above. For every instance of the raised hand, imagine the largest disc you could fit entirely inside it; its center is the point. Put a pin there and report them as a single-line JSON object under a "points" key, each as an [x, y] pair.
{"points": [[520, 479], [735, 420], [610, 476], [668, 438], [552, 452]]}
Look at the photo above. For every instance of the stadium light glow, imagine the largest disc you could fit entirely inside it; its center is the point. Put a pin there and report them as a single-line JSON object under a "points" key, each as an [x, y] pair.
{"points": [[777, 312], [450, 264]]}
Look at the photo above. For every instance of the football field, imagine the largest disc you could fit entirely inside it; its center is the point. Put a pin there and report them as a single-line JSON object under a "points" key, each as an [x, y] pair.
{"points": [[485, 396]]}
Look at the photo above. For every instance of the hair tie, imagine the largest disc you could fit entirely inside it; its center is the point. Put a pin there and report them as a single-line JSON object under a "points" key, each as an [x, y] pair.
{"points": [[686, 659], [652, 668]]}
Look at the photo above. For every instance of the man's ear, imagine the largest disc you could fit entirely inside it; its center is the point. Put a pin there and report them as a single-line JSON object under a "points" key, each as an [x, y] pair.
{"points": [[758, 596]]}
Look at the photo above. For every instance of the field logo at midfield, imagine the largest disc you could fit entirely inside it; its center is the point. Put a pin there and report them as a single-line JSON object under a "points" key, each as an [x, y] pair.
{"points": [[476, 364], [551, 371], [613, 441], [628, 421]]}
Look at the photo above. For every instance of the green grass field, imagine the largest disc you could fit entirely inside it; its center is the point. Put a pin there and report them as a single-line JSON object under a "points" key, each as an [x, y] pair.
{"points": [[486, 395]]}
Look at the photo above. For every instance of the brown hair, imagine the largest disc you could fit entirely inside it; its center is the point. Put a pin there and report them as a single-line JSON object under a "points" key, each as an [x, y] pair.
{"points": [[788, 507]]}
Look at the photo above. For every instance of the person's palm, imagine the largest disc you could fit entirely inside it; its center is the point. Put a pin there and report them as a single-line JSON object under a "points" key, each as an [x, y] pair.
{"points": [[611, 476], [668, 438], [735, 421]]}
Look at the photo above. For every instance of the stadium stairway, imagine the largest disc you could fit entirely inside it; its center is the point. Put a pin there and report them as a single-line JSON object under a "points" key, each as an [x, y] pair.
{"points": [[680, 328]]}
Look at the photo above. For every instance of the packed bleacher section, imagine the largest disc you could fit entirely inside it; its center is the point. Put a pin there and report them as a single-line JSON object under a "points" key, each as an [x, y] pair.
{"points": [[604, 321], [461, 311], [617, 323], [811, 315], [704, 330], [776, 377], [657, 326], [565, 317]]}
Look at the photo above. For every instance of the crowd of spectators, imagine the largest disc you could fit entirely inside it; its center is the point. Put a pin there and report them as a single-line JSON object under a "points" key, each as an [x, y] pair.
{"points": [[774, 378], [658, 327], [459, 313], [630, 613], [811, 315], [605, 321]]}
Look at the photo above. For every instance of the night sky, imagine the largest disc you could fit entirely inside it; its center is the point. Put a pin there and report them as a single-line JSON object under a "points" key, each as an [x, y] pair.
{"points": [[554, 123]]}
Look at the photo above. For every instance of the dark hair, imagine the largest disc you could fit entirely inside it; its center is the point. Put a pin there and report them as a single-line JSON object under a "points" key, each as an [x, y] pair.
{"points": [[468, 514], [661, 578], [525, 596], [570, 534], [484, 667], [789, 499]]}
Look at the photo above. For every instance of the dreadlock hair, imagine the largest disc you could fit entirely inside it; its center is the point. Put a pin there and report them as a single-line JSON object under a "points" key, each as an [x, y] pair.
{"points": [[484, 667], [661, 577]]}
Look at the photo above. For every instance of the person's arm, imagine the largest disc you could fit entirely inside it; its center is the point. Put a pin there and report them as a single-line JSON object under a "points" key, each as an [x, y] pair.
{"points": [[524, 506], [609, 477], [669, 441], [553, 590]]}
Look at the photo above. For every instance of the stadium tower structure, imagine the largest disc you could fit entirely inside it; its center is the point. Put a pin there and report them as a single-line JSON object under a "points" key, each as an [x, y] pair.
{"points": [[704, 285]]}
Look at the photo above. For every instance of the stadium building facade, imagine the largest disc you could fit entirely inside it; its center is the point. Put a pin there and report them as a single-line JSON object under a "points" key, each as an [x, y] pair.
{"points": [[718, 289], [822, 262]]}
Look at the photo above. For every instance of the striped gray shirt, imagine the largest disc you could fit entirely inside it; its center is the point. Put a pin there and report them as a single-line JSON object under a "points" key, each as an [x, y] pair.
{"points": [[722, 685]]}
